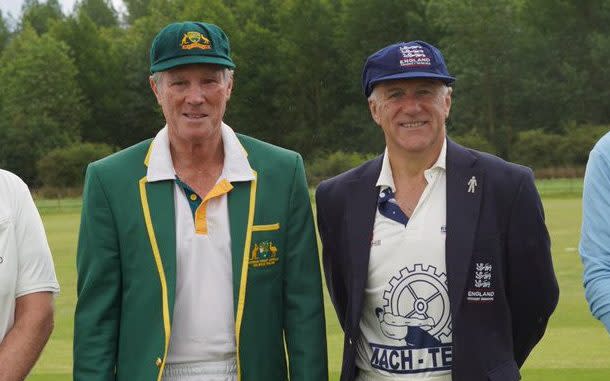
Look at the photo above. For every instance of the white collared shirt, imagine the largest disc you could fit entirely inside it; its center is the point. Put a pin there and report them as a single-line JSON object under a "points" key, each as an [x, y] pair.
{"points": [[405, 325], [203, 327], [26, 265]]}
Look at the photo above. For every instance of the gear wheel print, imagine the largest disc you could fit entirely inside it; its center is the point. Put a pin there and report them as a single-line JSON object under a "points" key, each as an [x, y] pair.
{"points": [[421, 293]]}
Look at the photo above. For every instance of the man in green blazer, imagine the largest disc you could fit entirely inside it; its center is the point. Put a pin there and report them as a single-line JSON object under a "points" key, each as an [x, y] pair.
{"points": [[197, 256]]}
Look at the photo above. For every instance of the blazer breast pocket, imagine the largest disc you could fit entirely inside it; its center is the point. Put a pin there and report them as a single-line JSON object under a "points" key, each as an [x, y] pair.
{"points": [[266, 228], [265, 254]]}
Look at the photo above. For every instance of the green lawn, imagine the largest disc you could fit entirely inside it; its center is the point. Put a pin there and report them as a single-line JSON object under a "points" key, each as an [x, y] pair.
{"points": [[575, 348]]}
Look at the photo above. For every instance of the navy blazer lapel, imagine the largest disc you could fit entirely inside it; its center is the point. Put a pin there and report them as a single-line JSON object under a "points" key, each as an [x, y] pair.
{"points": [[361, 205], [462, 216]]}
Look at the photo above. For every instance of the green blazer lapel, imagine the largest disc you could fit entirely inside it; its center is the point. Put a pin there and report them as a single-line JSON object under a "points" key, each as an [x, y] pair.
{"points": [[160, 196], [158, 209], [241, 201], [157, 202]]}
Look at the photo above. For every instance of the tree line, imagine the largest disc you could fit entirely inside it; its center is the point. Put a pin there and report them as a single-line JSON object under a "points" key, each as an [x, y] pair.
{"points": [[528, 72]]}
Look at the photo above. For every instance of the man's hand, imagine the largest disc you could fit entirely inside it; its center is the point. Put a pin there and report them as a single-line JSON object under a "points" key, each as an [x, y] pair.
{"points": [[24, 341]]}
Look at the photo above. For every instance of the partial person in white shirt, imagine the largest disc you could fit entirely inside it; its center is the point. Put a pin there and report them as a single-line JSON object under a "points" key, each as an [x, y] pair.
{"points": [[27, 280]]}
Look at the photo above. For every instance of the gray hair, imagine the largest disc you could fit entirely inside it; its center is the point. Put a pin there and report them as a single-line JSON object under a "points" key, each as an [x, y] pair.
{"points": [[158, 75], [375, 94]]}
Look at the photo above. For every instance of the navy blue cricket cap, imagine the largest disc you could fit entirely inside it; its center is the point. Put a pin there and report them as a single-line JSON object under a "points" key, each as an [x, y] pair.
{"points": [[404, 60]]}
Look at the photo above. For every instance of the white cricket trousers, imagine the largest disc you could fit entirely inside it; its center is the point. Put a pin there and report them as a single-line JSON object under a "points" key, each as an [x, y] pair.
{"points": [[201, 371], [374, 376]]}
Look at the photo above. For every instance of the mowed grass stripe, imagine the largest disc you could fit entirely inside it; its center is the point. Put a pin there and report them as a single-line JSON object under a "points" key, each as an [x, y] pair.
{"points": [[575, 347]]}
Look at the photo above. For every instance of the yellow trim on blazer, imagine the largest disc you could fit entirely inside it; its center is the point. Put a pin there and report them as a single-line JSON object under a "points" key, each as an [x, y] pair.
{"points": [[266, 228], [147, 158], [157, 255], [241, 299]]}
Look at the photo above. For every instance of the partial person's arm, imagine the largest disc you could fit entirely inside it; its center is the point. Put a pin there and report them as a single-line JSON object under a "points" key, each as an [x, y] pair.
{"points": [[96, 321], [595, 235], [25, 340], [305, 329], [532, 287], [36, 284]]}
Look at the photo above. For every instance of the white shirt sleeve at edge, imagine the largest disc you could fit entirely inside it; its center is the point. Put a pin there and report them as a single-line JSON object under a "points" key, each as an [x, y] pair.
{"points": [[36, 270]]}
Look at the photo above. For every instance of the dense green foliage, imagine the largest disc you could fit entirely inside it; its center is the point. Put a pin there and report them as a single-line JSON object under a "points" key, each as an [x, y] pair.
{"points": [[65, 167], [521, 74], [41, 103], [325, 166], [539, 149]]}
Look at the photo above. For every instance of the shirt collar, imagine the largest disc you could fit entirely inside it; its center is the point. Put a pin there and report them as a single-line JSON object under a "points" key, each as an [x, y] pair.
{"points": [[235, 167], [160, 166], [386, 180]]}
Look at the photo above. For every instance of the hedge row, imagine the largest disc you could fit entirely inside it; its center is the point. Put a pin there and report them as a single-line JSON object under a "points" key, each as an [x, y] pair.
{"points": [[550, 155]]}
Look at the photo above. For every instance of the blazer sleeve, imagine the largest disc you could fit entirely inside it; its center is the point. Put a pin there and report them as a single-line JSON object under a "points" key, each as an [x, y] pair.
{"points": [[96, 322], [532, 287], [304, 307], [330, 258]]}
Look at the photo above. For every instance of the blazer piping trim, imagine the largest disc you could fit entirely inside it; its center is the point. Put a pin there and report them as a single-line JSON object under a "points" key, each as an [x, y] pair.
{"points": [[241, 299], [155, 249], [266, 228], [148, 152]]}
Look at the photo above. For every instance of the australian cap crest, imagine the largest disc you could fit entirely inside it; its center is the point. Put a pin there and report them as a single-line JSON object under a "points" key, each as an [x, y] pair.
{"points": [[195, 40]]}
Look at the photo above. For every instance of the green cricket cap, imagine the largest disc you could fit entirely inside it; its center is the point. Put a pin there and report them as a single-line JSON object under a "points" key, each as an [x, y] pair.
{"points": [[187, 43]]}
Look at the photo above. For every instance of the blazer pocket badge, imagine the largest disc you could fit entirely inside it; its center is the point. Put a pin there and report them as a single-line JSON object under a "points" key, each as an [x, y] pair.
{"points": [[263, 254], [482, 288]]}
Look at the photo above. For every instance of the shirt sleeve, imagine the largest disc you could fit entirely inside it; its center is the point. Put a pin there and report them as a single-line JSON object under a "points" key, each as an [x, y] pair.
{"points": [[36, 271], [594, 245]]}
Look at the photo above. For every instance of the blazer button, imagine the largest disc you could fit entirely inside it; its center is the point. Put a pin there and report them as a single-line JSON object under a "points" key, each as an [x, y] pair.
{"points": [[349, 340], [158, 362]]}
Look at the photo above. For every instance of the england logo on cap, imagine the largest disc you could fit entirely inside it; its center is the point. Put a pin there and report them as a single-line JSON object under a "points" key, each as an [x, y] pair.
{"points": [[414, 56]]}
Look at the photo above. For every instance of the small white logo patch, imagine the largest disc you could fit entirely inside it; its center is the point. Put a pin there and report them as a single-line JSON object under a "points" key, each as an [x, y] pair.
{"points": [[483, 291], [472, 184], [414, 56]]}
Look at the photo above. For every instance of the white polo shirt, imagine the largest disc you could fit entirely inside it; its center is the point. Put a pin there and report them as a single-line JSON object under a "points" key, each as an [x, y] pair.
{"points": [[26, 265], [406, 321], [203, 327]]}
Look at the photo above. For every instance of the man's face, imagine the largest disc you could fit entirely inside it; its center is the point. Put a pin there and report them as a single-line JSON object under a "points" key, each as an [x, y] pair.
{"points": [[193, 99], [412, 114]]}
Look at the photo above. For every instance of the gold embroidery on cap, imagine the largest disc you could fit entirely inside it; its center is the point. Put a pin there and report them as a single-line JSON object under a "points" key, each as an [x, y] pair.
{"points": [[195, 40]]}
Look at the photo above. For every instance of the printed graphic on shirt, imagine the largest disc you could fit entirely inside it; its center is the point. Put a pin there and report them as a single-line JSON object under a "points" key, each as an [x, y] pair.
{"points": [[416, 318]]}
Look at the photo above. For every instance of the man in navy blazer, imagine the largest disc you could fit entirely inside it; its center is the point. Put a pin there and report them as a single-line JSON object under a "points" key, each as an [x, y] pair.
{"points": [[437, 257]]}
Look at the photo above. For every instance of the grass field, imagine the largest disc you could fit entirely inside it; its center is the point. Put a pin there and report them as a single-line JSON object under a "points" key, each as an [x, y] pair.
{"points": [[575, 347]]}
